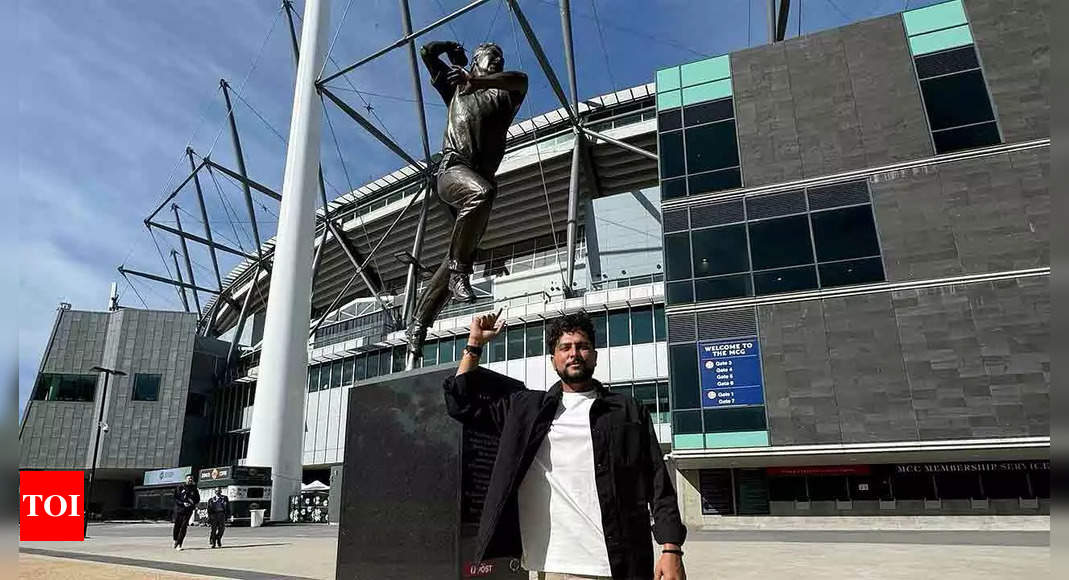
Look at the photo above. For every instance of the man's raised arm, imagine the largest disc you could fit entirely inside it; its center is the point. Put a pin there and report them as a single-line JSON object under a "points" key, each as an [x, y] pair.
{"points": [[431, 54], [476, 396]]}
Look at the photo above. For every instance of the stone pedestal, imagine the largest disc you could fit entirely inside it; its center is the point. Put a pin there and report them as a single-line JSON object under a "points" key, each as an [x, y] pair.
{"points": [[403, 509]]}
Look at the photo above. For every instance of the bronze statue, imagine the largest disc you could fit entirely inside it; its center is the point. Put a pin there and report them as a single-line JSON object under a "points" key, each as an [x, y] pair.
{"points": [[482, 100]]}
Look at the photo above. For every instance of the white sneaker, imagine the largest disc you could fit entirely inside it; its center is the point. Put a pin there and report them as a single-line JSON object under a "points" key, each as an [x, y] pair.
{"points": [[178, 548]]}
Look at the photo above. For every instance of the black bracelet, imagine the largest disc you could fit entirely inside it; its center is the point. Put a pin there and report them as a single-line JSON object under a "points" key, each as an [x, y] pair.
{"points": [[669, 551], [475, 350]]}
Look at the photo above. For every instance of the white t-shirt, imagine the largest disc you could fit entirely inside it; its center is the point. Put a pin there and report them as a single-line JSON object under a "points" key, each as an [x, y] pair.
{"points": [[560, 516]]}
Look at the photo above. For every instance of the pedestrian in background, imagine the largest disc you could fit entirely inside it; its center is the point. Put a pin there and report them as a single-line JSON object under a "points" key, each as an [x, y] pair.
{"points": [[218, 514], [186, 498]]}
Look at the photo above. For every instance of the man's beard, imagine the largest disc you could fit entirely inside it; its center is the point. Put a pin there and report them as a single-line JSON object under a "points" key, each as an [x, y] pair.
{"points": [[575, 374]]}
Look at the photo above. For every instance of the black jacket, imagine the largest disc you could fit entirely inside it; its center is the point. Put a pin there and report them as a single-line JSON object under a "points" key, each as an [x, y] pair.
{"points": [[186, 497], [629, 471], [219, 505]]}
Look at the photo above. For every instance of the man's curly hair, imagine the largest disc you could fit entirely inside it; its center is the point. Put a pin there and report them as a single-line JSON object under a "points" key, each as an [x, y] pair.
{"points": [[575, 322]]}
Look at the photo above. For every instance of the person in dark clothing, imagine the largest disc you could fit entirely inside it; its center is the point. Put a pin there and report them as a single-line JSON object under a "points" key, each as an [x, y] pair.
{"points": [[482, 101], [186, 498], [579, 470], [218, 514]]}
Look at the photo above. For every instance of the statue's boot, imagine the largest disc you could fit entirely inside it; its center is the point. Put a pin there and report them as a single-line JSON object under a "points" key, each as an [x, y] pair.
{"points": [[460, 282]]}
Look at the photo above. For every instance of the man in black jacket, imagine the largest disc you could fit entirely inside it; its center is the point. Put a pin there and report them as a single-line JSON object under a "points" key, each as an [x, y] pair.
{"points": [[578, 470], [186, 498], [218, 513]]}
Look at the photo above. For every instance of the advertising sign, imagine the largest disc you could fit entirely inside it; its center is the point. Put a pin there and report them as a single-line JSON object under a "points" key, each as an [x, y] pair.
{"points": [[730, 373], [167, 476]]}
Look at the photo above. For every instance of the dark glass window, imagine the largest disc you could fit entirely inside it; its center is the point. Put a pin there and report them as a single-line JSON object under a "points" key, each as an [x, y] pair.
{"points": [[65, 387], [686, 392], [708, 112], [722, 287], [966, 137], [458, 347], [1005, 484], [601, 332], [659, 322], [669, 120], [841, 234], [913, 486], [372, 365], [955, 100], [398, 359], [335, 373], [958, 485], [147, 387], [679, 292], [646, 395], [719, 250], [671, 154], [711, 147], [430, 353], [785, 280], [946, 62], [361, 367], [642, 325], [619, 328], [787, 489], [313, 378], [851, 272], [445, 350], [677, 255], [828, 487], [385, 362], [673, 188], [686, 422], [497, 348], [715, 180], [515, 342], [780, 242], [536, 339], [735, 419], [347, 372]]}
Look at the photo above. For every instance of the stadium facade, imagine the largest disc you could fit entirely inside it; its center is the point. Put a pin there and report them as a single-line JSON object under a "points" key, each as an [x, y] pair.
{"points": [[831, 291]]}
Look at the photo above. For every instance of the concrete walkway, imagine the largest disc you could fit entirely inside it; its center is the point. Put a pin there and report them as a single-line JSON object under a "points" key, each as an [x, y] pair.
{"points": [[309, 551]]}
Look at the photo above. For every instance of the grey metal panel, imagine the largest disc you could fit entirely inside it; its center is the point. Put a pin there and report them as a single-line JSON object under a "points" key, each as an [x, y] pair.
{"points": [[973, 216], [886, 98], [799, 390], [1013, 37], [764, 116], [866, 362], [949, 362]]}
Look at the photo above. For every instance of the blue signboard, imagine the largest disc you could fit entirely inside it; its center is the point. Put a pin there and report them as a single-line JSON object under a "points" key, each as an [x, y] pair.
{"points": [[731, 373]]}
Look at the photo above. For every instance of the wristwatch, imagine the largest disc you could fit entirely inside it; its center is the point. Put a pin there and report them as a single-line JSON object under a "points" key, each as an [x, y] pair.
{"points": [[475, 350]]}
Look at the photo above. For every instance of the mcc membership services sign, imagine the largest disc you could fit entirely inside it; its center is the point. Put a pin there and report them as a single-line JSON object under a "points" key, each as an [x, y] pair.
{"points": [[731, 373]]}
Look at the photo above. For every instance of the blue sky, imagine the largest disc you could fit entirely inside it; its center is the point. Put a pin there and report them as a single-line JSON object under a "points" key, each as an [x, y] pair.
{"points": [[110, 93]]}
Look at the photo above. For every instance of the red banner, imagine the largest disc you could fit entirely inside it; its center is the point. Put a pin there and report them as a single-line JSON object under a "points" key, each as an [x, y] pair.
{"points": [[51, 506], [818, 470]]}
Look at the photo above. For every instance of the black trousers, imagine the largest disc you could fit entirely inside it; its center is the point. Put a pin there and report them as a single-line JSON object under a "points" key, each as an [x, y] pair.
{"points": [[471, 196], [181, 524], [218, 522]]}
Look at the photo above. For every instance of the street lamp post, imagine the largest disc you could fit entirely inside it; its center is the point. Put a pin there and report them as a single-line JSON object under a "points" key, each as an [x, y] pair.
{"points": [[96, 444]]}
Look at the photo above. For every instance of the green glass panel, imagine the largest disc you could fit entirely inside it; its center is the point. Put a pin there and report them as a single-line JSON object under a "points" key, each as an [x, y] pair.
{"points": [[668, 79], [712, 69], [687, 441], [707, 92], [736, 439], [942, 40], [669, 100], [934, 17]]}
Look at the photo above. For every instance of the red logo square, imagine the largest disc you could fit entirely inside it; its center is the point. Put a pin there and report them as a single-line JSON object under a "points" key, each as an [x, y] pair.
{"points": [[52, 506]]}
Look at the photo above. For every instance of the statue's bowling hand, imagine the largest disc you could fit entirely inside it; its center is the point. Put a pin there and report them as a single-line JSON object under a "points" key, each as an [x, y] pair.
{"points": [[456, 55], [460, 78], [485, 327]]}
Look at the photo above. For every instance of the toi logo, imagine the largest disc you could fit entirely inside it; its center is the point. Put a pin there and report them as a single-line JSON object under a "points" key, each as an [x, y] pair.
{"points": [[51, 506]]}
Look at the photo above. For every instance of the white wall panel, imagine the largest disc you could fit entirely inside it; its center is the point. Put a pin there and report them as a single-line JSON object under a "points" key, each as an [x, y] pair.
{"points": [[645, 360], [536, 372], [601, 372], [620, 363], [662, 359]]}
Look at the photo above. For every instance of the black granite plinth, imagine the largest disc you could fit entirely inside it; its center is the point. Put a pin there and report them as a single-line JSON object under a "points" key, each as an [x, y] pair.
{"points": [[408, 502]]}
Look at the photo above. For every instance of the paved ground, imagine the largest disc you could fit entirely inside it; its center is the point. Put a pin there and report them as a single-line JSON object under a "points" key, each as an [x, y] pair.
{"points": [[309, 551]]}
